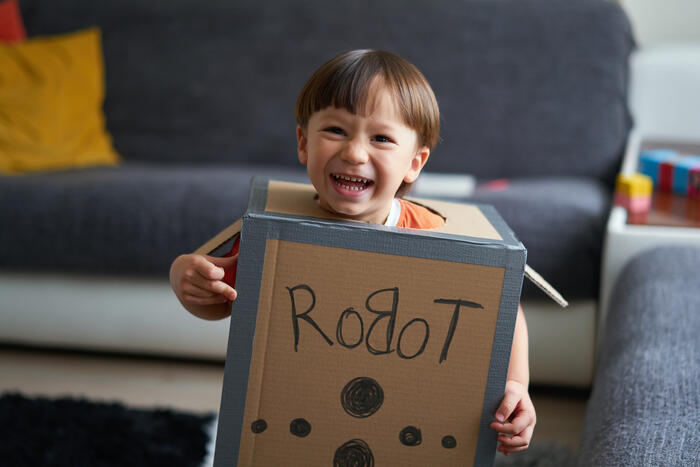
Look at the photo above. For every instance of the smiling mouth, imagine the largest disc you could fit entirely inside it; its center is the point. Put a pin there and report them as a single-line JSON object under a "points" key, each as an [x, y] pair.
{"points": [[351, 183]]}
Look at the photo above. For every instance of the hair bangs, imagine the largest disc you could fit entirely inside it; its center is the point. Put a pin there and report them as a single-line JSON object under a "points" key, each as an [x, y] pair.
{"points": [[347, 81]]}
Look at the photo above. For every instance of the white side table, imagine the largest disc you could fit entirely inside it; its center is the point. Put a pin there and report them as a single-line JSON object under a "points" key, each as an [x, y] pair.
{"points": [[623, 241]]}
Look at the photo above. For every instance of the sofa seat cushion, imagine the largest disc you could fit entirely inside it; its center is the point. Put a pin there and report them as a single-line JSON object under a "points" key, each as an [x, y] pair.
{"points": [[137, 218], [561, 222], [132, 219]]}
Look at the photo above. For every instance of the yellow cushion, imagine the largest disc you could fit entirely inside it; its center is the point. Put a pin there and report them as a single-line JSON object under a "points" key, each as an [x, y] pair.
{"points": [[51, 95]]}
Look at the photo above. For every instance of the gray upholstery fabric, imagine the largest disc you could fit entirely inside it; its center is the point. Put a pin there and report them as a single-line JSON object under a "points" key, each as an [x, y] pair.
{"points": [[526, 87], [645, 406], [561, 222], [137, 218], [132, 219]]}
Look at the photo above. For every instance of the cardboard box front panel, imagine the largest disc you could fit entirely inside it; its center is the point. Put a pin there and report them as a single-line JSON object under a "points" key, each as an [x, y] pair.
{"points": [[360, 346], [362, 357]]}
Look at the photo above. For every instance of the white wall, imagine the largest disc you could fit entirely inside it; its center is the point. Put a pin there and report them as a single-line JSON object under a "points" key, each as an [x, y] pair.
{"points": [[657, 21], [665, 68]]}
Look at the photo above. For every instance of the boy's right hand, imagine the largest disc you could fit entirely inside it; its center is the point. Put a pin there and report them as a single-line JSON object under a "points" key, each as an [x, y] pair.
{"points": [[197, 279]]}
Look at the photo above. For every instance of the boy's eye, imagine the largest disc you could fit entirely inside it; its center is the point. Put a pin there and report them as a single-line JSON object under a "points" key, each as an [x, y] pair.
{"points": [[335, 130], [383, 139]]}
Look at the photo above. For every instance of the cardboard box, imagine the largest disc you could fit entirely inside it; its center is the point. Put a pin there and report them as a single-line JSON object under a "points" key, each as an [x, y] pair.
{"points": [[360, 344]]}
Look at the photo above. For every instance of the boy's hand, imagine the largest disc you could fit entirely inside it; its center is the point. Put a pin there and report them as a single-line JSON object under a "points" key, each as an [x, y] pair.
{"points": [[515, 419], [197, 279]]}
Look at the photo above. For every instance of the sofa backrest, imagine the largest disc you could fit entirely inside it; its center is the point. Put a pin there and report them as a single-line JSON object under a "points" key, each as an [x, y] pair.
{"points": [[525, 87]]}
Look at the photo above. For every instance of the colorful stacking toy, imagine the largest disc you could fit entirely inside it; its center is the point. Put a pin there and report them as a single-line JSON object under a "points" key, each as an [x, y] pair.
{"points": [[681, 174], [694, 183], [671, 171], [666, 170], [650, 161], [633, 192]]}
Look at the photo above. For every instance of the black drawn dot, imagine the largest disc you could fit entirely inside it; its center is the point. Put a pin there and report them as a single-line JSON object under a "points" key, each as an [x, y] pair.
{"points": [[410, 436], [258, 426], [449, 442], [362, 397], [300, 427], [354, 453]]}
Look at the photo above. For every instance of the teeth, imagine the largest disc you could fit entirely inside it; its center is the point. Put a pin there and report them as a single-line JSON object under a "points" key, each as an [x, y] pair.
{"points": [[350, 179]]}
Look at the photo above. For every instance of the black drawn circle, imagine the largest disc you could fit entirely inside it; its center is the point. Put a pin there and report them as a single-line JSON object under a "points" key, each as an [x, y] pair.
{"points": [[362, 397], [258, 426], [449, 442], [354, 453], [410, 436], [300, 427]]}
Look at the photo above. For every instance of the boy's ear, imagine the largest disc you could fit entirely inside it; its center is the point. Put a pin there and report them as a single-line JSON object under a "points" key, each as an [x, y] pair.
{"points": [[302, 145], [417, 164]]}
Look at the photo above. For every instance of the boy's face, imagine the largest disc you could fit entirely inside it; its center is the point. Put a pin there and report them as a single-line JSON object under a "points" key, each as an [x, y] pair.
{"points": [[357, 162]]}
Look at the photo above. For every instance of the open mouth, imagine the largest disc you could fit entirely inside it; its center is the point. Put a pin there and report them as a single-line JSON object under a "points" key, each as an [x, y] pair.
{"points": [[351, 183]]}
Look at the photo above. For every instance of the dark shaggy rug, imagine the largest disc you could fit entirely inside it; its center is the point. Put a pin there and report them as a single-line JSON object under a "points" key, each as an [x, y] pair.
{"points": [[76, 432]]}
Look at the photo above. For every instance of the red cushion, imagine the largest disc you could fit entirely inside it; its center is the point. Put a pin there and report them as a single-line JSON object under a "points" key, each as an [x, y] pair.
{"points": [[11, 25]]}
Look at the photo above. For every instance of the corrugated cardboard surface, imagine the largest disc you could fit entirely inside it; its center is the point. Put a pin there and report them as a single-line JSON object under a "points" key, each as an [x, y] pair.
{"points": [[298, 199], [283, 258], [439, 398]]}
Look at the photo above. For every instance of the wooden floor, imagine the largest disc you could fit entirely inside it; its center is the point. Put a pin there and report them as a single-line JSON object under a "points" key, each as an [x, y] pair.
{"points": [[196, 386]]}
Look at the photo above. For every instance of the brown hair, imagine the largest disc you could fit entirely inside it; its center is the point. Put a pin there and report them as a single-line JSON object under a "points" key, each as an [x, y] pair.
{"points": [[345, 80]]}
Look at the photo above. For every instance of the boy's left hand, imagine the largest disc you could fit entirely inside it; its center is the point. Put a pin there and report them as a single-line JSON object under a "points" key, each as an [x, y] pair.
{"points": [[515, 419]]}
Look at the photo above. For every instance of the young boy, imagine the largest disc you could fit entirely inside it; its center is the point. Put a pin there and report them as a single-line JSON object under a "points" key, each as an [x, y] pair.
{"points": [[367, 121]]}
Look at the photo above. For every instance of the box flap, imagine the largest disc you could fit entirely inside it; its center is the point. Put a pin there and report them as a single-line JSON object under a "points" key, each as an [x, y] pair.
{"points": [[460, 219], [545, 286], [219, 239]]}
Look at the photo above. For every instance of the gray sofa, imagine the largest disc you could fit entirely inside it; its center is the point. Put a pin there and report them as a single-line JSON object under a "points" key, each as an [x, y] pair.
{"points": [[199, 97], [645, 404]]}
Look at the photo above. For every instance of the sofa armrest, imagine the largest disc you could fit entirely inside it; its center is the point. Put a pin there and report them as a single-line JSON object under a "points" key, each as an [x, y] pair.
{"points": [[645, 406]]}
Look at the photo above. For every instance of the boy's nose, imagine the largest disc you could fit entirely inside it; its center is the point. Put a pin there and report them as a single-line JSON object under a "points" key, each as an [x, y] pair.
{"points": [[355, 153]]}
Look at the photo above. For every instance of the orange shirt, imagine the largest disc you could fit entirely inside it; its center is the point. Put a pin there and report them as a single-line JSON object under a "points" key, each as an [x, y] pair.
{"points": [[413, 216]]}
